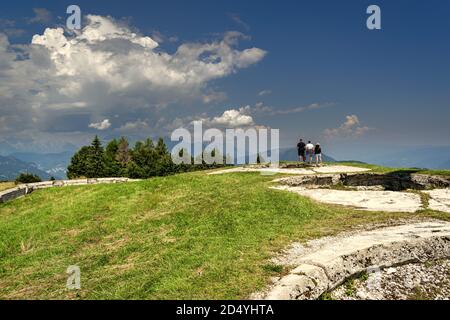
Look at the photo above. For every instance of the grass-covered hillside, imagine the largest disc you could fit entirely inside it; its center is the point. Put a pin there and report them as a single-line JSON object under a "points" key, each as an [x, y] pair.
{"points": [[187, 236]]}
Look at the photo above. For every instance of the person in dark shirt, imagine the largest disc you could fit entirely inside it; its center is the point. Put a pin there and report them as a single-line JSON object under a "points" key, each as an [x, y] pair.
{"points": [[301, 146], [318, 153]]}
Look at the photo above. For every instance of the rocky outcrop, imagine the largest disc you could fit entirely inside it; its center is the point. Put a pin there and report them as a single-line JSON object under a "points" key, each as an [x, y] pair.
{"points": [[390, 181], [28, 188], [429, 181], [311, 180], [413, 281], [323, 267]]}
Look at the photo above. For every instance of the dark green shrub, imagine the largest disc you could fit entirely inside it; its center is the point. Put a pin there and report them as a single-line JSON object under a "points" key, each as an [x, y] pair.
{"points": [[27, 178]]}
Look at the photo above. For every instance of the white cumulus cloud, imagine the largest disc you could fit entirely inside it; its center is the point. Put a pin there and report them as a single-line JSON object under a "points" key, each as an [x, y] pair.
{"points": [[234, 118], [103, 125]]}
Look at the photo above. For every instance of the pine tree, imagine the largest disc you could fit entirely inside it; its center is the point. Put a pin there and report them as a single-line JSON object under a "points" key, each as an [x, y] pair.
{"points": [[112, 166], [111, 148], [79, 163], [161, 149], [148, 158], [134, 171], [164, 164], [123, 155], [96, 165]]}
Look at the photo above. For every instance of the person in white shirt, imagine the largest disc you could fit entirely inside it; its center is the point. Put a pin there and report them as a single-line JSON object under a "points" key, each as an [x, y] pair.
{"points": [[309, 151]]}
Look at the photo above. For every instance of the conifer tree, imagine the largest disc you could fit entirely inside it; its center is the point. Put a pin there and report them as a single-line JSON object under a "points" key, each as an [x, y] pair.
{"points": [[123, 155], [79, 163], [112, 166], [96, 163]]}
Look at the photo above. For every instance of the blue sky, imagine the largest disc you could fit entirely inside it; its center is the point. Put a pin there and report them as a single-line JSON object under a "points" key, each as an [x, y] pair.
{"points": [[323, 74]]}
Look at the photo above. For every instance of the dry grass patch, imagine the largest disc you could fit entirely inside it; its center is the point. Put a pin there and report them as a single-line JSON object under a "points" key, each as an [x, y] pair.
{"points": [[6, 185]]}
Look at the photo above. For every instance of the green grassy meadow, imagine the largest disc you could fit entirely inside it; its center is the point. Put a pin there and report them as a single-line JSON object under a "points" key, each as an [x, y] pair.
{"points": [[187, 236]]}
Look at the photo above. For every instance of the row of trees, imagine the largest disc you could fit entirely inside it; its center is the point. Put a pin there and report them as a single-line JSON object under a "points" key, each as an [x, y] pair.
{"points": [[117, 159]]}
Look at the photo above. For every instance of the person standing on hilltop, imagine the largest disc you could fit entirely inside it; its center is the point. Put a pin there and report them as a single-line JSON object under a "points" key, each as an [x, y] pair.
{"points": [[318, 152], [309, 151], [301, 150]]}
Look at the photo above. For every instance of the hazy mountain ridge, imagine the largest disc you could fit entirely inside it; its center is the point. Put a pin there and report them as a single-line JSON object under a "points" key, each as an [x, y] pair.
{"points": [[424, 157], [11, 167], [54, 164]]}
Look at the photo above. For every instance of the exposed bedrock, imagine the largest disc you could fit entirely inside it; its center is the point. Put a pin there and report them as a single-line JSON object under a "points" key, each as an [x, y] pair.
{"points": [[391, 181], [320, 269]]}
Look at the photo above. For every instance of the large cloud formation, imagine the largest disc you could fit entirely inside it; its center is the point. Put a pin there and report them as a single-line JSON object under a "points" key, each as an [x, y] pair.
{"points": [[64, 83]]}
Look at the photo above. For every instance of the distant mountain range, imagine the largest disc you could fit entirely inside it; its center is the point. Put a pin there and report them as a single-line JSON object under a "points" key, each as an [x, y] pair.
{"points": [[54, 164], [45, 165], [11, 167], [425, 157]]}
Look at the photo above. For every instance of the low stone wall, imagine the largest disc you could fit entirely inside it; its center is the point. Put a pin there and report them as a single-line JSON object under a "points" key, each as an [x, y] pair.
{"points": [[24, 189], [12, 194]]}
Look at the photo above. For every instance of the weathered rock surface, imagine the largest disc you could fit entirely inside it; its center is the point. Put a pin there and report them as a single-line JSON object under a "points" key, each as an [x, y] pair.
{"points": [[312, 180], [392, 181], [321, 266], [439, 199], [390, 201], [430, 281], [25, 189]]}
